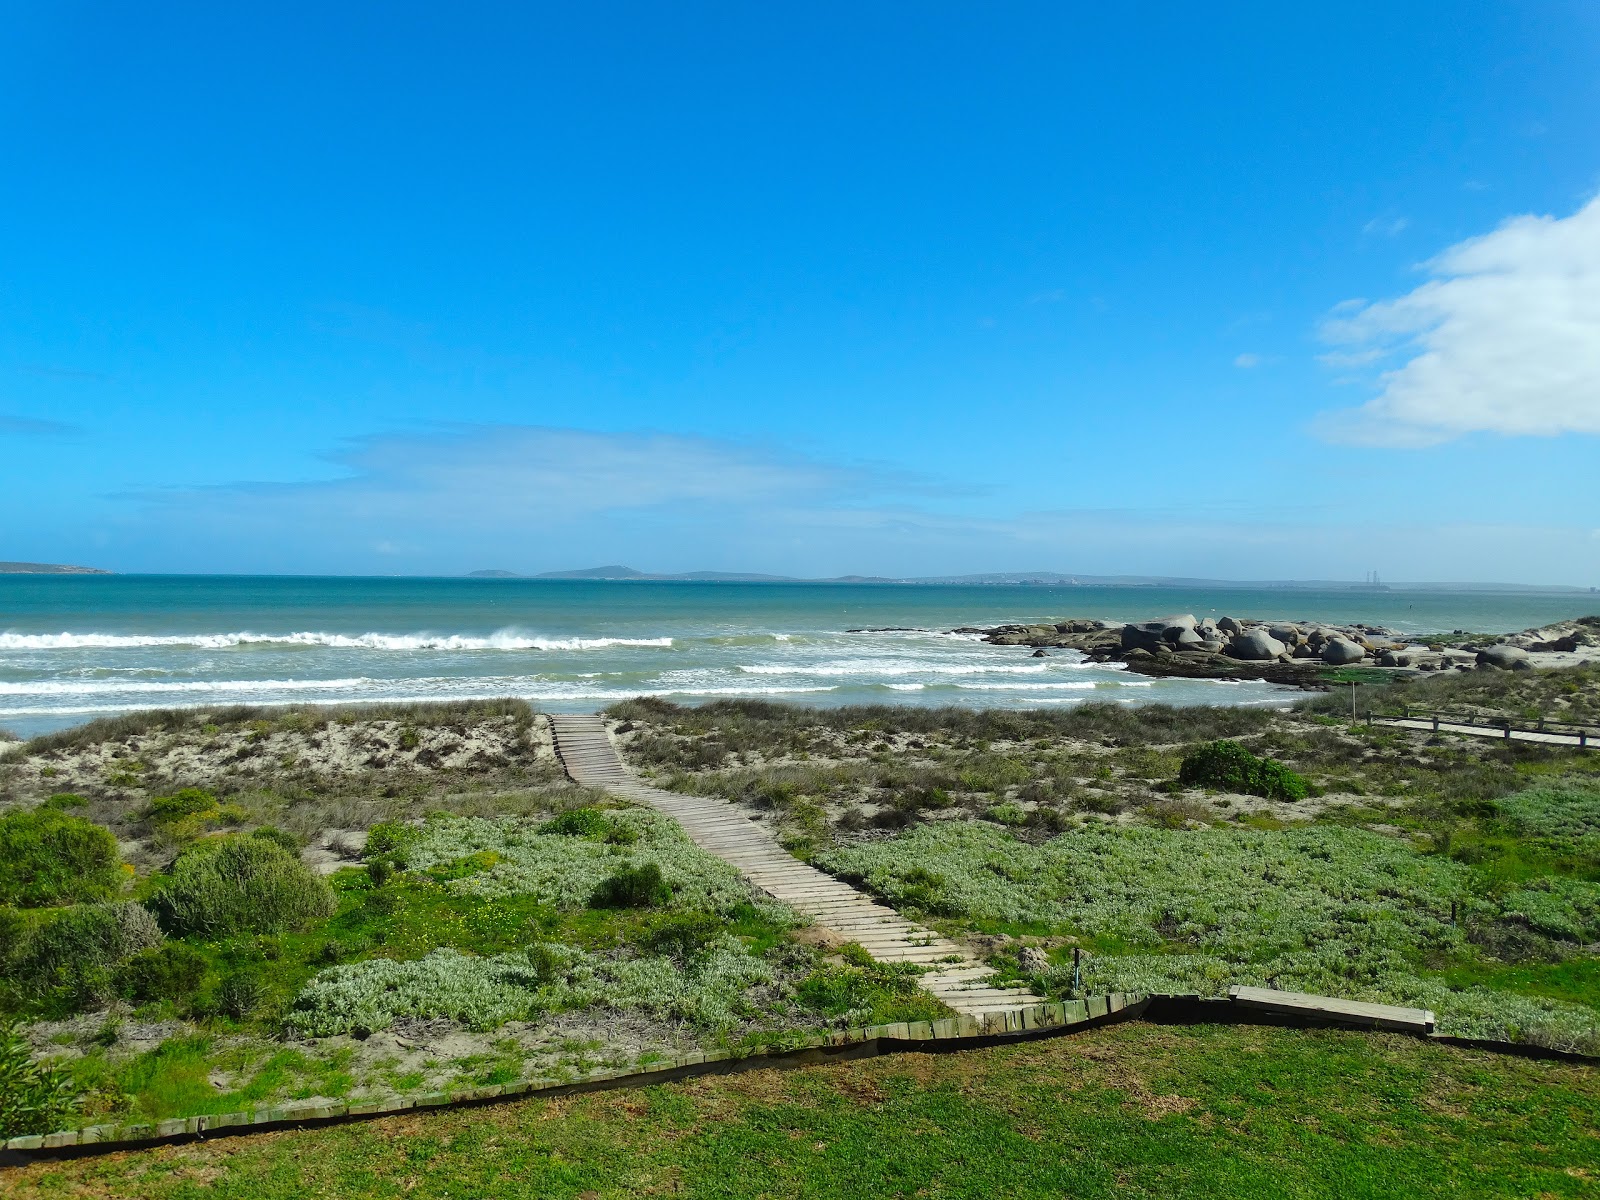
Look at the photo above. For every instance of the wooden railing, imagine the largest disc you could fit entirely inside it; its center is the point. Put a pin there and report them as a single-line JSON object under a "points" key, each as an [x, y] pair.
{"points": [[1584, 733]]}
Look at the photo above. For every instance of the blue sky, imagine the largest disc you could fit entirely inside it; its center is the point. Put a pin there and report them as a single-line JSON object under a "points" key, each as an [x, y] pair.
{"points": [[891, 289]]}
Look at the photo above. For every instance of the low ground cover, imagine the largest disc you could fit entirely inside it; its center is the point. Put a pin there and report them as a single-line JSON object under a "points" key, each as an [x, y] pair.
{"points": [[1461, 874], [1129, 1110], [1317, 909]]}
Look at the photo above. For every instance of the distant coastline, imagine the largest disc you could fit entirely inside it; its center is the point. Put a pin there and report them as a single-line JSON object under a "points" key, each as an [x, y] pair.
{"points": [[28, 568], [622, 574]]}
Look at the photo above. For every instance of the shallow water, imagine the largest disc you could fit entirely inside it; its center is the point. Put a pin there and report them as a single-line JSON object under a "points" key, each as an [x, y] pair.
{"points": [[76, 647]]}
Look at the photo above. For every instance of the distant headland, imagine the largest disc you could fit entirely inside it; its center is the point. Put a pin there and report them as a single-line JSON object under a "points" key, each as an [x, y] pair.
{"points": [[23, 568], [1047, 579]]}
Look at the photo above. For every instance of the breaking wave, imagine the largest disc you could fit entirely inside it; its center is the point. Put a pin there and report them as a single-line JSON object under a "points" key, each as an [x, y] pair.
{"points": [[338, 641]]}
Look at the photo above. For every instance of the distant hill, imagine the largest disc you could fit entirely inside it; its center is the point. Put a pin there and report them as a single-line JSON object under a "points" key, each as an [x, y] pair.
{"points": [[19, 568], [1057, 579], [623, 573], [493, 575], [619, 572]]}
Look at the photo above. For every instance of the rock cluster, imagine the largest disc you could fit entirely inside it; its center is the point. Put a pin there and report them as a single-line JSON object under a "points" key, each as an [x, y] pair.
{"points": [[1284, 651]]}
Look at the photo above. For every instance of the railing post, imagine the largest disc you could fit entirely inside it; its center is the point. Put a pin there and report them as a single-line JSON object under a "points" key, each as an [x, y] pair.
{"points": [[1436, 722]]}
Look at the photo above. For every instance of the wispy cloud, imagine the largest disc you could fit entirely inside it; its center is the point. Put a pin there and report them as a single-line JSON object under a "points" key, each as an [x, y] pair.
{"points": [[1504, 338], [36, 427], [1386, 226], [1247, 361], [510, 474]]}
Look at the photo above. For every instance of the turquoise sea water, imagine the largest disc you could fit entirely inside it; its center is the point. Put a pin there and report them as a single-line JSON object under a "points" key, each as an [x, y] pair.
{"points": [[76, 647]]}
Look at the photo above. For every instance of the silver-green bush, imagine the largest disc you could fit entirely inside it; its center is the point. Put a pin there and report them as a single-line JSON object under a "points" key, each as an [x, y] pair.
{"points": [[565, 871], [708, 990]]}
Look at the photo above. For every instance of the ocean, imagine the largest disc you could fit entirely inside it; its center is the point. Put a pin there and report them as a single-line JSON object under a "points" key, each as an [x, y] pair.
{"points": [[73, 648]]}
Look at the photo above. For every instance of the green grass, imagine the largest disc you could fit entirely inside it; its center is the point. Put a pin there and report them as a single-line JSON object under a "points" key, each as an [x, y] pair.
{"points": [[1126, 1111], [174, 1079]]}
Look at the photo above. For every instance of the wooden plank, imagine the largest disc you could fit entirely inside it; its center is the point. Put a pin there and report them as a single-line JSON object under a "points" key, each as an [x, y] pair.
{"points": [[1348, 1012]]}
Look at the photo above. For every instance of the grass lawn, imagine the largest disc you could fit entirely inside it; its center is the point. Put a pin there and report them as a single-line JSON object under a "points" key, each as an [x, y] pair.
{"points": [[1130, 1110]]}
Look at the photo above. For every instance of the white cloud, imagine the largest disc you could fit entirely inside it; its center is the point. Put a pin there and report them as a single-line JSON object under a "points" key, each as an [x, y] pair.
{"points": [[1385, 226], [1504, 338], [1246, 361]]}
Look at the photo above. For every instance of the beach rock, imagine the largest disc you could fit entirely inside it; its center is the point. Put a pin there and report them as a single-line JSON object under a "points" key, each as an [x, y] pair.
{"points": [[1305, 650], [1287, 634], [1229, 625], [1210, 646], [1176, 621], [1564, 645], [1393, 658], [1504, 658], [1338, 651], [1041, 652], [1186, 639], [1256, 646]]}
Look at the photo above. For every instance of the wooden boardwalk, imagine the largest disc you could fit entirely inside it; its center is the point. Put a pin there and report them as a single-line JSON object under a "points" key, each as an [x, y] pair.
{"points": [[957, 978]]}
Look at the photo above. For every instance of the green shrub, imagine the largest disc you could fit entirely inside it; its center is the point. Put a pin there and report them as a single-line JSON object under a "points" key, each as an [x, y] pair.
{"points": [[388, 848], [278, 837], [171, 971], [70, 961], [64, 800], [1229, 767], [234, 885], [683, 936], [13, 927], [34, 1097], [189, 802], [240, 994], [632, 887], [48, 857], [579, 822]]}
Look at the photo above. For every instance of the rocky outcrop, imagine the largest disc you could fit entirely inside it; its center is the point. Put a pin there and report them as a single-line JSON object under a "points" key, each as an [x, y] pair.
{"points": [[1290, 652]]}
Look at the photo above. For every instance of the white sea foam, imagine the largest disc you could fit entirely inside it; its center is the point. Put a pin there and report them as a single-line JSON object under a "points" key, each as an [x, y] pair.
{"points": [[278, 693], [868, 666], [503, 640], [1026, 686], [122, 687]]}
